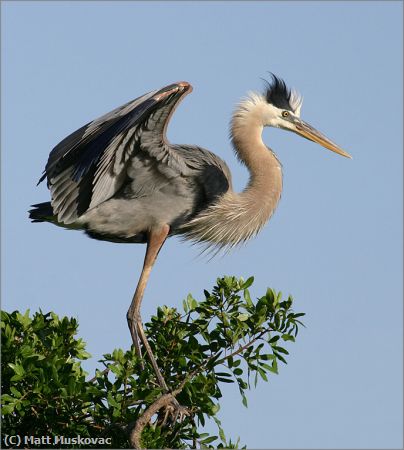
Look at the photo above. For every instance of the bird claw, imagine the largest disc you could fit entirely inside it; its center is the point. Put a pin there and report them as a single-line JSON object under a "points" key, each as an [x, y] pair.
{"points": [[175, 412]]}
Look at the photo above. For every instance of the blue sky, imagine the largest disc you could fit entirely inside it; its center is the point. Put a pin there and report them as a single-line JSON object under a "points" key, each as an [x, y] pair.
{"points": [[334, 243]]}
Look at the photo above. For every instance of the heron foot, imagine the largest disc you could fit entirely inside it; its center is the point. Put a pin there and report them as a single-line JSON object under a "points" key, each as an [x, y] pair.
{"points": [[174, 412]]}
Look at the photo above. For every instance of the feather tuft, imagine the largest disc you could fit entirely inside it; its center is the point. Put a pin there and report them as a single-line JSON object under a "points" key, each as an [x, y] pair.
{"points": [[279, 95]]}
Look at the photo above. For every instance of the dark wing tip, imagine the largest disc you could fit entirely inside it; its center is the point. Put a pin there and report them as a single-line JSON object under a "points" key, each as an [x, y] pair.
{"points": [[43, 176]]}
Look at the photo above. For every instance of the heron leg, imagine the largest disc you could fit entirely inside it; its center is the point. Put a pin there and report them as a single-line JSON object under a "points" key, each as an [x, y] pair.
{"points": [[155, 241]]}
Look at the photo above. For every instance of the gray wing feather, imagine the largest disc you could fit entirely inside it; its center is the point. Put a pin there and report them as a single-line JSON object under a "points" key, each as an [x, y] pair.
{"points": [[109, 176], [90, 166]]}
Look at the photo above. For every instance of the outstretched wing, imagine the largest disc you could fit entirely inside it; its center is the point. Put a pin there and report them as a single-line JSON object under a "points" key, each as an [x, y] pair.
{"points": [[89, 166]]}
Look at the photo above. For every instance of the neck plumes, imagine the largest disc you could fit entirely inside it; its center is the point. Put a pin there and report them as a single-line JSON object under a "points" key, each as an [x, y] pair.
{"points": [[236, 217]]}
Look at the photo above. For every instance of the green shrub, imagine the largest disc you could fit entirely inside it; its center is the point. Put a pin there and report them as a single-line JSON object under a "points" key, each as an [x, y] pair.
{"points": [[224, 338]]}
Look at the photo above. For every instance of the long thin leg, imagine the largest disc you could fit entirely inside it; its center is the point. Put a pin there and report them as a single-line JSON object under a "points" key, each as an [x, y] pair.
{"points": [[155, 241]]}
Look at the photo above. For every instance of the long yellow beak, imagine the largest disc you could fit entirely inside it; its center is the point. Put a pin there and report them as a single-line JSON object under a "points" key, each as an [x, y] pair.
{"points": [[304, 129]]}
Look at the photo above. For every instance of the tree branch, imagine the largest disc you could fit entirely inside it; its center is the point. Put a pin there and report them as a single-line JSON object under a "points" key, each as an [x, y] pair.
{"points": [[163, 401], [168, 399]]}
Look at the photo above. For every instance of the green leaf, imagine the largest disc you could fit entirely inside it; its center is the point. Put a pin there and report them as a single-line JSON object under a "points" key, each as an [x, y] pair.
{"points": [[266, 366], [222, 436], [24, 319], [7, 398], [15, 392], [247, 283], [244, 401], [243, 317], [8, 409], [263, 374], [191, 302], [266, 357], [280, 357], [225, 380], [202, 421], [18, 369], [224, 374], [209, 440], [112, 402], [274, 367], [242, 384], [288, 337], [247, 298], [82, 354], [280, 349]]}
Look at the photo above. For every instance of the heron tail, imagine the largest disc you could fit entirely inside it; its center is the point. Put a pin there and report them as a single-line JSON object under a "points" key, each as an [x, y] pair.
{"points": [[42, 212]]}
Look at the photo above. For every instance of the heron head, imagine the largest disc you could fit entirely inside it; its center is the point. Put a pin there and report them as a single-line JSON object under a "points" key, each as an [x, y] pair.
{"points": [[282, 110]]}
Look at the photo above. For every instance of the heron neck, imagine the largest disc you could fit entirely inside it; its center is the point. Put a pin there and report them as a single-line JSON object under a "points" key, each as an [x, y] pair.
{"points": [[265, 185], [235, 218]]}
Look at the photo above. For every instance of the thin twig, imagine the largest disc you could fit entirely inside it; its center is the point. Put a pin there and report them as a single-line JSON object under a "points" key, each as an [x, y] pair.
{"points": [[104, 372], [242, 348]]}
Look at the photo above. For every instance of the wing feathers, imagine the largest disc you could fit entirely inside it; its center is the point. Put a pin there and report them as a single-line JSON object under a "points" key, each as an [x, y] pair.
{"points": [[90, 165]]}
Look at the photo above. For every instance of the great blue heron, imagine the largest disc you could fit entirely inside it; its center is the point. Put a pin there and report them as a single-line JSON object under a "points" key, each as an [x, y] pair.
{"points": [[120, 180]]}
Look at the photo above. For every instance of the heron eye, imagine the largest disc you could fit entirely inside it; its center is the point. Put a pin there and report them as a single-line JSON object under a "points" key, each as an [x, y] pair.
{"points": [[285, 113]]}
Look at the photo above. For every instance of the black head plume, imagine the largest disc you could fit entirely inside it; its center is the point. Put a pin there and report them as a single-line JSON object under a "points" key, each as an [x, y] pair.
{"points": [[278, 94]]}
